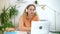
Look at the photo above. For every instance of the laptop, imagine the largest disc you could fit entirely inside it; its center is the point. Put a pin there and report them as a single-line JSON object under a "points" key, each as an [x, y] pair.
{"points": [[40, 27]]}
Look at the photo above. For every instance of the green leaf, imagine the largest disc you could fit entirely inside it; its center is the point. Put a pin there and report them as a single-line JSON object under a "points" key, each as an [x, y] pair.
{"points": [[13, 11]]}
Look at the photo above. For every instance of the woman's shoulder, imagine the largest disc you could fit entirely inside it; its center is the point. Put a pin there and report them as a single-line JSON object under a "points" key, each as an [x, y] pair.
{"points": [[22, 17]]}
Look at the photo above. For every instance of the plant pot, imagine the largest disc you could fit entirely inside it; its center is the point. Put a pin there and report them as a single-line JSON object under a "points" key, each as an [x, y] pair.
{"points": [[9, 29], [0, 32]]}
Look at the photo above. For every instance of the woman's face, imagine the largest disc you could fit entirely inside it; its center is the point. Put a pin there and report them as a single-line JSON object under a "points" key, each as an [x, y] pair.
{"points": [[31, 10]]}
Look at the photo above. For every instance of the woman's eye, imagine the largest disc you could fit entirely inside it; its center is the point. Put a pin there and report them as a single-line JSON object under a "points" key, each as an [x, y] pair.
{"points": [[32, 9]]}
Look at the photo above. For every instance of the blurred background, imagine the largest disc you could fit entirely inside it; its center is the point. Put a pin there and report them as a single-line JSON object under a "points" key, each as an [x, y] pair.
{"points": [[46, 10]]}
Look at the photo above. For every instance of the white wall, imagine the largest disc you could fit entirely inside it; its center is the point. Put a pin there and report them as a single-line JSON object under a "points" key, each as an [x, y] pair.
{"points": [[3, 3]]}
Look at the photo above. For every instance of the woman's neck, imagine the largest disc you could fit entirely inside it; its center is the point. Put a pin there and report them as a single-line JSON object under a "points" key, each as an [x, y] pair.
{"points": [[29, 16]]}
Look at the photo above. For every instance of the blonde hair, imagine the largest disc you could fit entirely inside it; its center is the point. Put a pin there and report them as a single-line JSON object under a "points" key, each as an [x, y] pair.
{"points": [[25, 12]]}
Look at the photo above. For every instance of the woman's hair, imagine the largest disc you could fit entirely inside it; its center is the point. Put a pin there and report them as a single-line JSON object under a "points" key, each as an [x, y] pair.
{"points": [[25, 12]]}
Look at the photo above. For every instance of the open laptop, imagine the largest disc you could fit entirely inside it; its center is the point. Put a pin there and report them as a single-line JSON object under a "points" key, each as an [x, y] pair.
{"points": [[40, 27]]}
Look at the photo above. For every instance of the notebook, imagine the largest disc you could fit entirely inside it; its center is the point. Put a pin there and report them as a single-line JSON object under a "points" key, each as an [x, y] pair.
{"points": [[10, 32]]}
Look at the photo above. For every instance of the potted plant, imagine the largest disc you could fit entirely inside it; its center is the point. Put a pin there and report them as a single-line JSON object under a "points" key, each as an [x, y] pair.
{"points": [[6, 16], [13, 12]]}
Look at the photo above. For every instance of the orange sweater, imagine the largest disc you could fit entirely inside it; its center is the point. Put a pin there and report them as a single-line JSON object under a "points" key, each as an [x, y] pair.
{"points": [[25, 23]]}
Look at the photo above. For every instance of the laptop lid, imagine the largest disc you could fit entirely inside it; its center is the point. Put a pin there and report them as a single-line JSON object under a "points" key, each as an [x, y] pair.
{"points": [[40, 27]]}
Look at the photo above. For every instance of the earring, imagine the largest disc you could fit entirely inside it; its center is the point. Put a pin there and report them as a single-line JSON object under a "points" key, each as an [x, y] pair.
{"points": [[26, 10]]}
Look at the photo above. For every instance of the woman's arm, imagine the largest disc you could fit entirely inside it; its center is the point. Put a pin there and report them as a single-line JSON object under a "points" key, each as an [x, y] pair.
{"points": [[22, 27], [36, 18]]}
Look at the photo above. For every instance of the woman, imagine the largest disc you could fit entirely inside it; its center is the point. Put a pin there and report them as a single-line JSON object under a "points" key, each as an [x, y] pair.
{"points": [[28, 16]]}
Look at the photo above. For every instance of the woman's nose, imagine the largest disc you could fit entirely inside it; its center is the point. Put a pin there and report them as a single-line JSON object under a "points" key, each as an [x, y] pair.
{"points": [[32, 11]]}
